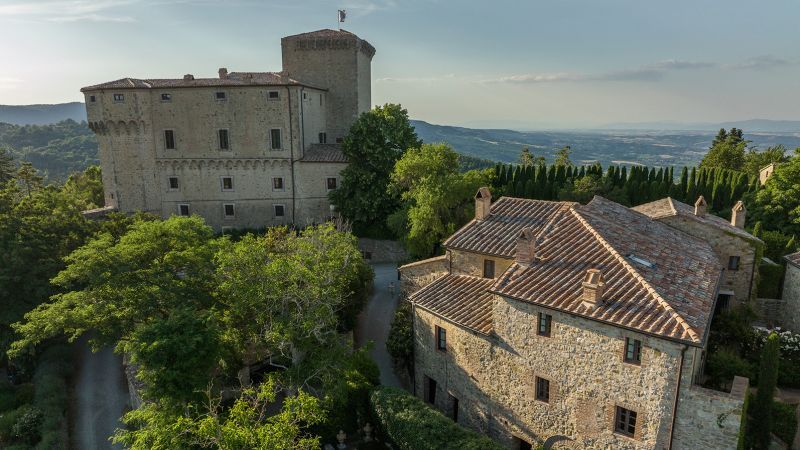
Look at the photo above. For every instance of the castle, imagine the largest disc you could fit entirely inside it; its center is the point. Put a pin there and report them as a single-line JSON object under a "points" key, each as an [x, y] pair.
{"points": [[243, 150], [583, 326]]}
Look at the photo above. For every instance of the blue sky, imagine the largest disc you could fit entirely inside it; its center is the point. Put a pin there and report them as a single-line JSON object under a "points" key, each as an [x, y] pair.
{"points": [[533, 63]]}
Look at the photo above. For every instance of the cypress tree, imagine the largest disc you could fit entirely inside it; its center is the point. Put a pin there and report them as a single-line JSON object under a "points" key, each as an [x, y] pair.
{"points": [[623, 177], [529, 189], [684, 183], [691, 187], [761, 425]]}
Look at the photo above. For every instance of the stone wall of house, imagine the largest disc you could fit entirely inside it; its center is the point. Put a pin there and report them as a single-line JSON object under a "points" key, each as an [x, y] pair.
{"points": [[771, 312], [493, 378], [419, 274], [725, 245], [382, 250], [469, 263], [709, 419], [791, 298]]}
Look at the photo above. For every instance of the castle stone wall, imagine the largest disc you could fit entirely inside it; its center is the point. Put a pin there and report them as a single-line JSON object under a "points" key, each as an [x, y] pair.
{"points": [[417, 275], [791, 298]]}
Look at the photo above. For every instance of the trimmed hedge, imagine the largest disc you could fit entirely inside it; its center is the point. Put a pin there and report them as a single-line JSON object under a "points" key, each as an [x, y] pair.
{"points": [[411, 424]]}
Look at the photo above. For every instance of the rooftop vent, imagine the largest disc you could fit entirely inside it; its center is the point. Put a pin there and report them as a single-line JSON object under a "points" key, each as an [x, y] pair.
{"points": [[483, 202], [641, 261], [593, 287], [700, 206], [188, 77]]}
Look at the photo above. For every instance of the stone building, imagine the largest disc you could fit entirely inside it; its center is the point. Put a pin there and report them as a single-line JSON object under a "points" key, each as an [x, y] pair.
{"points": [[242, 150], [791, 293], [765, 172], [583, 326], [736, 249]]}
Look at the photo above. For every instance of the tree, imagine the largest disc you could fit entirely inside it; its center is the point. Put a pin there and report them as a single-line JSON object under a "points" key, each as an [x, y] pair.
{"points": [[375, 142], [727, 151], [7, 167], [777, 204], [755, 160], [562, 156], [528, 159], [437, 198], [400, 343], [761, 424], [87, 187], [29, 177]]}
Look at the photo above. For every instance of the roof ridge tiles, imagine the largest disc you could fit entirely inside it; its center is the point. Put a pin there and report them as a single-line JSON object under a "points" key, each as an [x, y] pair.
{"points": [[633, 272]]}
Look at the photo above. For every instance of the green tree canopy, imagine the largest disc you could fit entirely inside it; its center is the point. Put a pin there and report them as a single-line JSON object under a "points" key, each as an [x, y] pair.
{"points": [[7, 166], [755, 160], [562, 156], [777, 204], [727, 151], [375, 142]]}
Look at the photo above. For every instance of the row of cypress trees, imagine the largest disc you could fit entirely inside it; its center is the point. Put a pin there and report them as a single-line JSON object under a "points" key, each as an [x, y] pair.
{"points": [[633, 185]]}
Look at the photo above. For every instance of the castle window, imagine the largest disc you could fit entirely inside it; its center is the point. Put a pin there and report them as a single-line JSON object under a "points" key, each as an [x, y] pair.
{"points": [[275, 139], [169, 139], [625, 422], [279, 210], [224, 144], [228, 210], [183, 209], [733, 263], [323, 138], [545, 323], [165, 97], [227, 184], [274, 95], [633, 351], [220, 96], [119, 98], [92, 98], [488, 268], [173, 183], [441, 339], [331, 182], [277, 184], [542, 390]]}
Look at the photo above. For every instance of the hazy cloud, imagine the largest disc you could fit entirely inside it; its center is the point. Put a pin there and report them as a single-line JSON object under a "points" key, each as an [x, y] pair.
{"points": [[449, 76], [760, 63], [68, 10], [9, 83]]}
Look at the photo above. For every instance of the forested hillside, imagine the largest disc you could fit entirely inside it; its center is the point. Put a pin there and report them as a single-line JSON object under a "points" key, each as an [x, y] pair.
{"points": [[42, 114]]}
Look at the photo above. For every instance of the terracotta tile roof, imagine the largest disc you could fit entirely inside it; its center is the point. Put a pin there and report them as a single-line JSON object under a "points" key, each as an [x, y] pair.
{"points": [[232, 80], [497, 234], [659, 280], [324, 153], [668, 207], [794, 259], [461, 299]]}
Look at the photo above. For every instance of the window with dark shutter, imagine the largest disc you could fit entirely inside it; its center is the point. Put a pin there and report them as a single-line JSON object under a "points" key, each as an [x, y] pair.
{"points": [[625, 422], [488, 268], [228, 210], [331, 183], [323, 138], [224, 144], [633, 351], [183, 209], [277, 184], [545, 323], [279, 210], [441, 339], [173, 183], [542, 390], [275, 139], [227, 183], [733, 263], [169, 139]]}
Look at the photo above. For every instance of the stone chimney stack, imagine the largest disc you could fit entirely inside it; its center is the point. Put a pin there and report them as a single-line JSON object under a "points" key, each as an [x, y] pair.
{"points": [[526, 247], [188, 77], [593, 287], [483, 201], [223, 73], [738, 214], [700, 206]]}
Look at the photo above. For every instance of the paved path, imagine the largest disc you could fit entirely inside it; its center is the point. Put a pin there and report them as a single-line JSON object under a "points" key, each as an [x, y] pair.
{"points": [[374, 321], [100, 396]]}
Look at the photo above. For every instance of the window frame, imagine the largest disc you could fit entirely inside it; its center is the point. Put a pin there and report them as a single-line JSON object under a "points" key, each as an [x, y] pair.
{"points": [[219, 98], [92, 98], [542, 393], [119, 98], [328, 183], [222, 183], [169, 134], [488, 268], [546, 320], [278, 180], [166, 97], [624, 416], [275, 210], [188, 209], [633, 347], [227, 134], [441, 338], [322, 137], [169, 183], [225, 214], [272, 139], [276, 98], [734, 262]]}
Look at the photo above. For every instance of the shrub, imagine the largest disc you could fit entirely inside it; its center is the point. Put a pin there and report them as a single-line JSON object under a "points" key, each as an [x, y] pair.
{"points": [[784, 421], [27, 427], [347, 401], [770, 280], [411, 424], [767, 378], [51, 394], [725, 364], [7, 421], [400, 343]]}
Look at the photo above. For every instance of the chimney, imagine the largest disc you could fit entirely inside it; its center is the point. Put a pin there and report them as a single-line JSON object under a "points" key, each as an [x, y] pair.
{"points": [[223, 73], [738, 214], [526, 247], [593, 287], [188, 77], [483, 200], [700, 206]]}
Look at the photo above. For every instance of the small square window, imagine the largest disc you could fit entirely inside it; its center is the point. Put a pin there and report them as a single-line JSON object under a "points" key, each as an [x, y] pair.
{"points": [[275, 139], [92, 98], [183, 209], [277, 184], [165, 97], [220, 96], [119, 97], [733, 263], [279, 210], [441, 339], [227, 183], [488, 268], [633, 351], [169, 139], [323, 138], [625, 422], [542, 390], [545, 323], [305, 96], [274, 95], [224, 144], [331, 183], [228, 210], [173, 183]]}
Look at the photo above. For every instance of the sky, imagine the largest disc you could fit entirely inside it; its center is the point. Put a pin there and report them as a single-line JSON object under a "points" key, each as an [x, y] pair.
{"points": [[520, 64]]}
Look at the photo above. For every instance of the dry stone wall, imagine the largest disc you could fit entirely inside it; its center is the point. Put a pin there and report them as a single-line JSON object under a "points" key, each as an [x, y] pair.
{"points": [[791, 298]]}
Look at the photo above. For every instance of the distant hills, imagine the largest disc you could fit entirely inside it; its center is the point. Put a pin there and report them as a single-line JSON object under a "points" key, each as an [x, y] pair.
{"points": [[652, 144]]}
